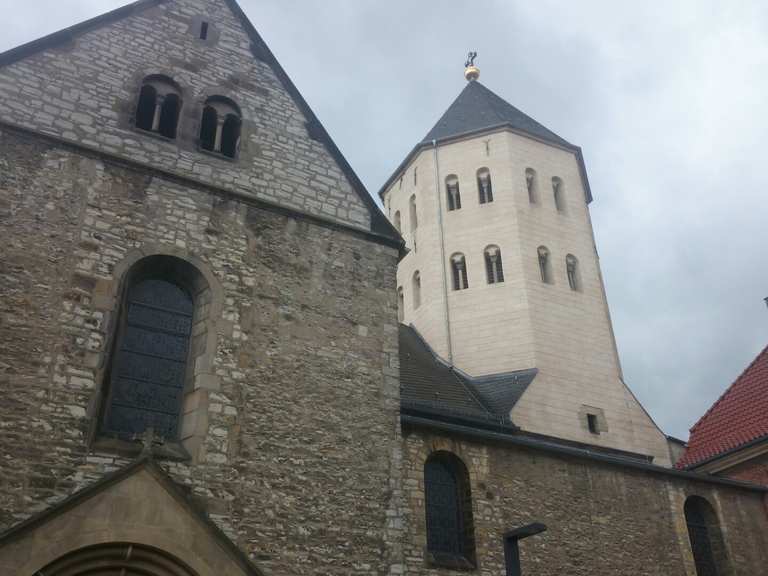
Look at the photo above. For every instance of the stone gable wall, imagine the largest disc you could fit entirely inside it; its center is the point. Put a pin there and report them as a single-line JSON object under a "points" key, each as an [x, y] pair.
{"points": [[86, 91], [600, 519], [296, 415]]}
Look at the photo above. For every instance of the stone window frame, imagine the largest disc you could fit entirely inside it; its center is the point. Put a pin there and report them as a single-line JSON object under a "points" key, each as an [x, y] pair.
{"points": [[484, 186], [544, 257], [459, 273], [164, 86], [213, 35], [452, 193], [601, 423], [416, 289], [720, 554], [494, 266], [201, 379], [532, 185], [573, 273], [558, 194], [226, 108]]}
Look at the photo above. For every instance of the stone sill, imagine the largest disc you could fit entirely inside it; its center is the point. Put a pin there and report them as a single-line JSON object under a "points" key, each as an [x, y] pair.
{"points": [[450, 561], [134, 448]]}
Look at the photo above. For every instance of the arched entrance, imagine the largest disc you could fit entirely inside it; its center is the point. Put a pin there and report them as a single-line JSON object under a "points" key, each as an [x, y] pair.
{"points": [[117, 559]]}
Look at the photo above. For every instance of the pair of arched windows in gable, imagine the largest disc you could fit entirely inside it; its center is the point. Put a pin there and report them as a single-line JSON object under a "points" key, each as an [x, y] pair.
{"points": [[448, 511], [573, 273], [494, 268], [159, 108], [484, 189], [532, 185]]}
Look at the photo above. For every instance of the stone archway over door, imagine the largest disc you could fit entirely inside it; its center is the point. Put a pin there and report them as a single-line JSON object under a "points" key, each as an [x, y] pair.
{"points": [[117, 559]]}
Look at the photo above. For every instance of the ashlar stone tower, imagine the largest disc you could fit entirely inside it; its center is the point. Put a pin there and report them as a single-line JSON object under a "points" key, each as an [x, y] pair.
{"points": [[502, 277]]}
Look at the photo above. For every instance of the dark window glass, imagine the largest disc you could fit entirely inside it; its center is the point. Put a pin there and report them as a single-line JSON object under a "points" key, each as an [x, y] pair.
{"points": [[169, 116], [204, 31], [705, 537], [145, 112], [208, 128], [592, 423], [149, 367], [230, 136]]}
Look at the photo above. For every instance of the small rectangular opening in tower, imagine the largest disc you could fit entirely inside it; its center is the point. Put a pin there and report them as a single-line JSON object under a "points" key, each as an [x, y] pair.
{"points": [[204, 31], [592, 423]]}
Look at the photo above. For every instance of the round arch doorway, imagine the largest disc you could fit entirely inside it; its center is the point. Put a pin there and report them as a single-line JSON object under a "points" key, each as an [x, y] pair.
{"points": [[117, 559]]}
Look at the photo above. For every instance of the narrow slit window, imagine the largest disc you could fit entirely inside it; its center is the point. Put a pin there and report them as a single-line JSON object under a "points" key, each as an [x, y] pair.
{"points": [[484, 186], [530, 185], [545, 265], [494, 268], [572, 269], [557, 191], [414, 217], [592, 424], [453, 193], [459, 272], [397, 221], [203, 30], [400, 304], [416, 290]]}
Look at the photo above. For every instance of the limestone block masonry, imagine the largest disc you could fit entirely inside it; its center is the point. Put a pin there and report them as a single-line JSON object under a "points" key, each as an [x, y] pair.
{"points": [[307, 328], [522, 322]]}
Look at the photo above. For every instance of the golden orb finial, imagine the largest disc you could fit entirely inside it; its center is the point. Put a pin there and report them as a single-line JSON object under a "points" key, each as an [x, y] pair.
{"points": [[471, 72]]}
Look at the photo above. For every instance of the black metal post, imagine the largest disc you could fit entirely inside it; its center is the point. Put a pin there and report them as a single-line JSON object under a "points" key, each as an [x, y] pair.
{"points": [[512, 546]]}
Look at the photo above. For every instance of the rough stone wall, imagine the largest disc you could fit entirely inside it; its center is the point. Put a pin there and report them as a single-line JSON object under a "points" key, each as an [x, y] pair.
{"points": [[297, 458], [601, 519], [86, 91]]}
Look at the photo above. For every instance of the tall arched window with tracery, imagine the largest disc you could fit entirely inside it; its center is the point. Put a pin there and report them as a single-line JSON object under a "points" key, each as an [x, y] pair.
{"points": [[159, 106], [459, 272], [448, 510], [220, 126], [706, 538], [484, 186], [452, 192], [149, 365], [494, 268]]}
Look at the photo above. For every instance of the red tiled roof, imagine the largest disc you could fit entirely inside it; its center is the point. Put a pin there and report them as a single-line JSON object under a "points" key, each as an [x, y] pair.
{"points": [[738, 417]]}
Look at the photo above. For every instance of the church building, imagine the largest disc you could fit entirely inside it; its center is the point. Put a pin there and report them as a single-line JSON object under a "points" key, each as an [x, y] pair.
{"points": [[220, 357]]}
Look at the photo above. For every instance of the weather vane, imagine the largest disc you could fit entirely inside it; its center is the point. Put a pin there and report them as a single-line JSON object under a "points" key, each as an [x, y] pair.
{"points": [[471, 72]]}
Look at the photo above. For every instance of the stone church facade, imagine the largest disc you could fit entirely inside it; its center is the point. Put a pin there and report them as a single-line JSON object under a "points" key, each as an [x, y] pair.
{"points": [[202, 366]]}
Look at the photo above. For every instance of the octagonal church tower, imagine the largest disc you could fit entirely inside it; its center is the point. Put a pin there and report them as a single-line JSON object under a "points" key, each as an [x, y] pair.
{"points": [[502, 278]]}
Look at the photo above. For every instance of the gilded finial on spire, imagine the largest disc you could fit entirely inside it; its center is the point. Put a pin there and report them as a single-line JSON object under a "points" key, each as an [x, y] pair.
{"points": [[471, 72]]}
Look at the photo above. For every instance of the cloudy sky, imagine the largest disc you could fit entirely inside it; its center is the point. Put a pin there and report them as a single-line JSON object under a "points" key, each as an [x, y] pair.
{"points": [[667, 100]]}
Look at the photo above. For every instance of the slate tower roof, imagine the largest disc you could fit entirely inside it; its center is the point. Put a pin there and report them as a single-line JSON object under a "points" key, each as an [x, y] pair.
{"points": [[477, 109]]}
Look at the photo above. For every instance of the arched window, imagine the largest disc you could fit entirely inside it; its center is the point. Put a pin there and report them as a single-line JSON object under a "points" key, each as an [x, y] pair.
{"points": [[706, 538], [545, 264], [159, 106], [150, 357], [531, 185], [452, 193], [400, 304], [414, 217], [448, 511], [459, 272], [220, 126], [494, 269], [416, 290], [397, 220], [572, 269], [484, 187], [557, 191], [415, 175]]}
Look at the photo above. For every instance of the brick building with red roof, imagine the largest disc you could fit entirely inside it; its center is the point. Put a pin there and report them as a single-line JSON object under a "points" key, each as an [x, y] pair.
{"points": [[731, 439]]}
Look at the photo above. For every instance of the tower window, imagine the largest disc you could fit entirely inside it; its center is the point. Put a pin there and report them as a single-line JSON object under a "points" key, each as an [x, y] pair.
{"points": [[452, 193], [203, 30], [531, 185], [159, 106], [415, 175], [220, 126], [414, 217], [592, 424], [400, 304], [545, 265], [459, 272], [484, 187], [416, 290], [448, 511], [557, 191], [572, 269], [397, 221], [706, 538], [494, 269]]}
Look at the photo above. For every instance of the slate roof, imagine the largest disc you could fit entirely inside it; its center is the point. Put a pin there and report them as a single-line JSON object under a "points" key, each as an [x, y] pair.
{"points": [[738, 418], [477, 108], [428, 382]]}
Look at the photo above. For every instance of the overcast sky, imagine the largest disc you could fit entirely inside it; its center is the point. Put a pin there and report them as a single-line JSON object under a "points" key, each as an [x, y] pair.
{"points": [[667, 100]]}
